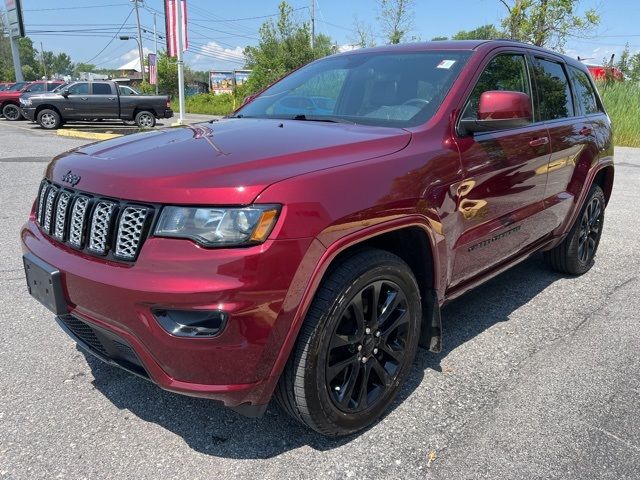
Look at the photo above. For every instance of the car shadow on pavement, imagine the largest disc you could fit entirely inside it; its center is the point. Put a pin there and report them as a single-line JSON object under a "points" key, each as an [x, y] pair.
{"points": [[209, 428]]}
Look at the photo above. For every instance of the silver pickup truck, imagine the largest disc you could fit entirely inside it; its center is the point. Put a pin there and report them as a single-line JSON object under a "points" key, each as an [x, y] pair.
{"points": [[100, 100]]}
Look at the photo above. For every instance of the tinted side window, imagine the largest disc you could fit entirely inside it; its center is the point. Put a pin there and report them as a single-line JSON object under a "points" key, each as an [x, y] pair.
{"points": [[101, 89], [52, 86], [585, 94], [79, 89], [505, 72], [554, 92]]}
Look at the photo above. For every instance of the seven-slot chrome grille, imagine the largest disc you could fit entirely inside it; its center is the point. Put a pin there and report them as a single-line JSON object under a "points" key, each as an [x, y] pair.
{"points": [[100, 226]]}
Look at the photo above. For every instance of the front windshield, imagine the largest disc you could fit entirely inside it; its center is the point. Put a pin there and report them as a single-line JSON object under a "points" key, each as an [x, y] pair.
{"points": [[401, 89]]}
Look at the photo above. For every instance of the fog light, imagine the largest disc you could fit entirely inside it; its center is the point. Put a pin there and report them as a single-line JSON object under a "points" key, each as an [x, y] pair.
{"points": [[192, 323]]}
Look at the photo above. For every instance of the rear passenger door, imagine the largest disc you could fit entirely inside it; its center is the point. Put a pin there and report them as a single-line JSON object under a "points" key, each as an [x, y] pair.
{"points": [[570, 132], [500, 201], [104, 100]]}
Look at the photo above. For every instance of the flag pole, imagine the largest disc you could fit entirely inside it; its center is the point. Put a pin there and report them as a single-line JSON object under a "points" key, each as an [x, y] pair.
{"points": [[180, 61]]}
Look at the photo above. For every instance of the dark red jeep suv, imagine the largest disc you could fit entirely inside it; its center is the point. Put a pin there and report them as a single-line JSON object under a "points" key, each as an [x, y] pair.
{"points": [[302, 247]]}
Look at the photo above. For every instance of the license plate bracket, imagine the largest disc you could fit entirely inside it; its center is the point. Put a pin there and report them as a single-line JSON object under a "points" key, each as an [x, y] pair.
{"points": [[45, 284]]}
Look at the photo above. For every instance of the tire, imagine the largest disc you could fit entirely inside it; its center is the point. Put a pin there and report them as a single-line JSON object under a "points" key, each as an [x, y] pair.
{"points": [[576, 254], [49, 119], [321, 385], [145, 119], [11, 112]]}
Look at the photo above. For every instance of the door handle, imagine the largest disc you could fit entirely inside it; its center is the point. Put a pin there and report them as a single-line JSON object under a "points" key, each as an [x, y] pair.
{"points": [[83, 98], [111, 98], [538, 142], [585, 131]]}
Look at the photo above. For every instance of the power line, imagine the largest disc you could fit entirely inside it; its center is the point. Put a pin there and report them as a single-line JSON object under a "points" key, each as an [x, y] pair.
{"points": [[112, 39], [75, 8]]}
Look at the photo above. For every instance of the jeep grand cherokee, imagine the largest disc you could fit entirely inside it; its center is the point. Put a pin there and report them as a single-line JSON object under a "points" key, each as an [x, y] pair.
{"points": [[302, 247]]}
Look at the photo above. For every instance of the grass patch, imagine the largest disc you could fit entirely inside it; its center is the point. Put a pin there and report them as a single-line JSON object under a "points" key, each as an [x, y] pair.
{"points": [[210, 104], [622, 102]]}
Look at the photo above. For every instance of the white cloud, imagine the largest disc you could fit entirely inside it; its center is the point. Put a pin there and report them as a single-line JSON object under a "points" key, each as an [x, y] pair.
{"points": [[133, 54], [214, 56]]}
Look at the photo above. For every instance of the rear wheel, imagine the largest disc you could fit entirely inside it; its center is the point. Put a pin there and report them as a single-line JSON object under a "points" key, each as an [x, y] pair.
{"points": [[145, 119], [576, 254], [11, 112], [356, 346], [49, 119]]}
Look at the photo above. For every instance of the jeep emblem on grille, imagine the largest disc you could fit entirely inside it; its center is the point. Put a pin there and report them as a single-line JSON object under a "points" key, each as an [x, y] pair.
{"points": [[71, 178]]}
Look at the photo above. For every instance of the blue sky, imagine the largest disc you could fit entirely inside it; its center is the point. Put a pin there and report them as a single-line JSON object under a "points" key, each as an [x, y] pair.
{"points": [[217, 42]]}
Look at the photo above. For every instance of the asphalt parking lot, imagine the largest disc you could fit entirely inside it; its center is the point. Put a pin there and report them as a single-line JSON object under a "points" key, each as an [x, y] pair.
{"points": [[539, 378]]}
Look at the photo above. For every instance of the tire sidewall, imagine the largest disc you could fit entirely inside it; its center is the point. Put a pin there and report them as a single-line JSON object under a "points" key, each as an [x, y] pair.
{"points": [[578, 265], [11, 106], [139, 116], [56, 116], [315, 372]]}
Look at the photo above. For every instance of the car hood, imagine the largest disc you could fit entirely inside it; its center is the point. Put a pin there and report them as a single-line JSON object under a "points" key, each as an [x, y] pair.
{"points": [[225, 162]]}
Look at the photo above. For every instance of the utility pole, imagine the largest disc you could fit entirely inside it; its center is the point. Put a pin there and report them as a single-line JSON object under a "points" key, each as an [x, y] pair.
{"points": [[180, 62], [15, 53], [155, 40], [44, 67], [313, 23], [140, 37]]}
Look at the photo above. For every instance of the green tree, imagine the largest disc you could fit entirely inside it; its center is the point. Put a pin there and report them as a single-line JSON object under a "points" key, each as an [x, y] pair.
{"points": [[624, 62], [547, 23], [284, 45], [396, 19], [31, 67], [484, 32], [61, 64], [82, 67], [634, 69]]}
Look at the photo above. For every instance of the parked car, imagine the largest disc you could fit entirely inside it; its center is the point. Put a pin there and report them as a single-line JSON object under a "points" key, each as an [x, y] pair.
{"points": [[95, 100], [10, 99], [306, 256], [5, 85]]}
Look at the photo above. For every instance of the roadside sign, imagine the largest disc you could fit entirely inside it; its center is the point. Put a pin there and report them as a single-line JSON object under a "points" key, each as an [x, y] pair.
{"points": [[221, 81], [14, 14]]}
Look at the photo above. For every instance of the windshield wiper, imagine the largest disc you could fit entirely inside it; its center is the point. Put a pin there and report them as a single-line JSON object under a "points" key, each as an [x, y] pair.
{"points": [[311, 118]]}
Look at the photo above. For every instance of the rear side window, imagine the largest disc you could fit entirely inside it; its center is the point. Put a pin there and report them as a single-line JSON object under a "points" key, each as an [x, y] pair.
{"points": [[504, 72], [101, 89], [52, 86], [585, 94], [79, 89], [554, 93]]}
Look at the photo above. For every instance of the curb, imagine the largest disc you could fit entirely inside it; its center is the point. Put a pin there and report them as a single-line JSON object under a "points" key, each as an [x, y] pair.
{"points": [[87, 135]]}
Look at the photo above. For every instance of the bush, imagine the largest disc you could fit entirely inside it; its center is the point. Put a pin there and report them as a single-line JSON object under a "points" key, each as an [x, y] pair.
{"points": [[622, 102], [210, 104]]}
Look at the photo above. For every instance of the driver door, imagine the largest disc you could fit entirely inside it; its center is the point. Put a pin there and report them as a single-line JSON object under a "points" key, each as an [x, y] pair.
{"points": [[500, 200], [76, 104]]}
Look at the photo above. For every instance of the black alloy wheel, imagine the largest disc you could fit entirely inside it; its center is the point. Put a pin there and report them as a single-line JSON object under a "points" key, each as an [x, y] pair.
{"points": [[356, 345], [11, 112], [575, 255], [367, 347], [590, 227]]}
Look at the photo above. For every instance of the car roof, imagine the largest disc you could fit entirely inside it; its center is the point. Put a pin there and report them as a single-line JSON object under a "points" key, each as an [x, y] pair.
{"points": [[464, 45]]}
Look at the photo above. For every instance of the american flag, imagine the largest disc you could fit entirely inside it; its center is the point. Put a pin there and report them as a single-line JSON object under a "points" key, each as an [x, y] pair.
{"points": [[171, 19], [153, 69]]}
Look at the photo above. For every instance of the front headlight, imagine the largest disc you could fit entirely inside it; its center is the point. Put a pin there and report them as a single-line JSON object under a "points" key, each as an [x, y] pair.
{"points": [[213, 226], [25, 102]]}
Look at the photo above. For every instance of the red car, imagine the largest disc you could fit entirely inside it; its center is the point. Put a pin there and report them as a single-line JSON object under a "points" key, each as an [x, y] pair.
{"points": [[10, 98], [305, 256]]}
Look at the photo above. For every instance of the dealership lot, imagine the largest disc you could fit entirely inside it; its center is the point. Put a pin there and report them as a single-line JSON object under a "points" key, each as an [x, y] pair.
{"points": [[539, 378]]}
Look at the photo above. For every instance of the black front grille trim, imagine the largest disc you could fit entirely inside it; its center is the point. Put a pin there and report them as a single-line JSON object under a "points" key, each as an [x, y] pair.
{"points": [[80, 238], [103, 344]]}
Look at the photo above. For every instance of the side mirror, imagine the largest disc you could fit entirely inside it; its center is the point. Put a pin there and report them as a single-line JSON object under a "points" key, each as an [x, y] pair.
{"points": [[500, 110], [65, 93]]}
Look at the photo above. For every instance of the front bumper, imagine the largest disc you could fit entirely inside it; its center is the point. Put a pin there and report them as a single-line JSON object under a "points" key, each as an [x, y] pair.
{"points": [[250, 284], [28, 113]]}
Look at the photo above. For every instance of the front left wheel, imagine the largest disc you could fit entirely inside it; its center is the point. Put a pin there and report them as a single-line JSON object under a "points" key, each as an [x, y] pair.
{"points": [[356, 345], [49, 119], [11, 112]]}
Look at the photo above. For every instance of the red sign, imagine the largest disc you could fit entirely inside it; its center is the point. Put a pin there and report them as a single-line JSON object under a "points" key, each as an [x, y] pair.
{"points": [[171, 24]]}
